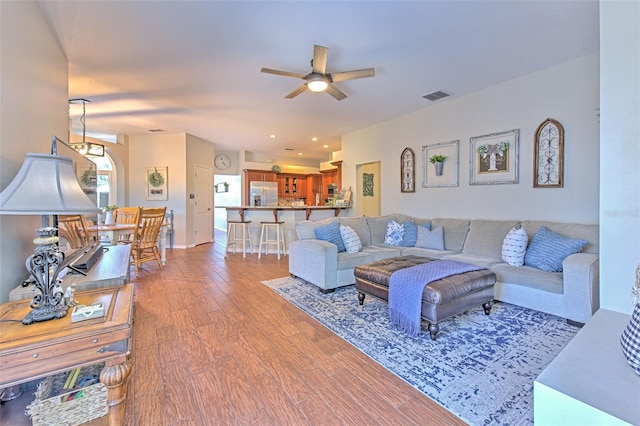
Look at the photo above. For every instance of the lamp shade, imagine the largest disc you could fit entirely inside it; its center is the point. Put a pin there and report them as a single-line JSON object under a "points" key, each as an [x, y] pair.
{"points": [[45, 184]]}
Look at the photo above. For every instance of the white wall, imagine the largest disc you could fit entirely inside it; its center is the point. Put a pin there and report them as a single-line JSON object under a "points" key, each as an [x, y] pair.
{"points": [[34, 106], [567, 92], [619, 152], [161, 150]]}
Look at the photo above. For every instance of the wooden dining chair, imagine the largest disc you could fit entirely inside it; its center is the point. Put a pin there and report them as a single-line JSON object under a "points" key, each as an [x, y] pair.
{"points": [[73, 229], [144, 247], [127, 215]]}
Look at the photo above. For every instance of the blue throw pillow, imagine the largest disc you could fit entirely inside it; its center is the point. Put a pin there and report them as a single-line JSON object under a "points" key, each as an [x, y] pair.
{"points": [[410, 234], [548, 249], [331, 233]]}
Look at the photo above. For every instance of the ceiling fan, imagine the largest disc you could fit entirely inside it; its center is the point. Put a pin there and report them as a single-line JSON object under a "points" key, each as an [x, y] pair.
{"points": [[318, 80]]}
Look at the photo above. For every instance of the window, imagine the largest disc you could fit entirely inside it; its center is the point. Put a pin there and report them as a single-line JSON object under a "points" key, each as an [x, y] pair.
{"points": [[106, 180]]}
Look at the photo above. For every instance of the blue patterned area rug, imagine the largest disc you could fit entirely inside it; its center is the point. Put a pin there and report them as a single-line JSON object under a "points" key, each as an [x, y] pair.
{"points": [[481, 368]]}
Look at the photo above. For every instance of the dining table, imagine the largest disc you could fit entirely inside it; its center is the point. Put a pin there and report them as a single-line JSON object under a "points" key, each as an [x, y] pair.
{"points": [[111, 232]]}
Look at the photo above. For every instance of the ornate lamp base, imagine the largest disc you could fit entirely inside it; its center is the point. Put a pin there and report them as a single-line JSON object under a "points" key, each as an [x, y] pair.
{"points": [[43, 266]]}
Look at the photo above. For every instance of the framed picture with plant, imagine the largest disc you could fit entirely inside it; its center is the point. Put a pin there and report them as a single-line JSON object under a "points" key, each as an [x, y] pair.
{"points": [[157, 183], [440, 164], [493, 159]]}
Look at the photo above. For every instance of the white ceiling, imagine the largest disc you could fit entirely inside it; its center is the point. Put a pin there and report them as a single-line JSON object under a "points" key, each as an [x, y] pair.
{"points": [[194, 66]]}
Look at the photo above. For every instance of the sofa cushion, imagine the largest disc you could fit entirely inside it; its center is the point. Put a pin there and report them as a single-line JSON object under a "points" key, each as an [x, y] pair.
{"points": [[331, 233], [305, 230], [402, 218], [351, 260], [548, 249], [358, 224], [482, 261], [529, 277], [423, 252], [455, 232], [378, 228], [571, 230], [394, 234], [514, 246], [410, 234], [430, 239], [485, 237], [350, 239], [382, 252]]}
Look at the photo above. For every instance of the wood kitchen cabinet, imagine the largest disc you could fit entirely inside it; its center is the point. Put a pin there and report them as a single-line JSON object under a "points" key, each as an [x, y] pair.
{"points": [[292, 185], [314, 186]]}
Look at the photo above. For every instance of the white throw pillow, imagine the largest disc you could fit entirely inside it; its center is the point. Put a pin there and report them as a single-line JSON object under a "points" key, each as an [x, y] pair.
{"points": [[514, 246], [430, 239], [350, 239]]}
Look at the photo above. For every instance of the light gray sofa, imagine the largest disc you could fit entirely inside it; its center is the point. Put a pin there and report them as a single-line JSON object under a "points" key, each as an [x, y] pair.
{"points": [[571, 294]]}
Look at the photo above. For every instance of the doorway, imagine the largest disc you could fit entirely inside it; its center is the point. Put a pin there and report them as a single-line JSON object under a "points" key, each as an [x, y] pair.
{"points": [[203, 205], [368, 189]]}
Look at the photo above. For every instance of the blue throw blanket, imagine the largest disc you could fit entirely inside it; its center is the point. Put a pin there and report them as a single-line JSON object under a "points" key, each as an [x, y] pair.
{"points": [[407, 285]]}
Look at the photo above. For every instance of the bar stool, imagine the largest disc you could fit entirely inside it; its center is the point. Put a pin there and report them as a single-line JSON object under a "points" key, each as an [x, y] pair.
{"points": [[278, 241], [233, 239]]}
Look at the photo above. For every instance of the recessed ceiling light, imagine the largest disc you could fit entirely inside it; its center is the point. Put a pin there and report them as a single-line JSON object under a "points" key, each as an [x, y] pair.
{"points": [[314, 139], [272, 136], [325, 146], [299, 153]]}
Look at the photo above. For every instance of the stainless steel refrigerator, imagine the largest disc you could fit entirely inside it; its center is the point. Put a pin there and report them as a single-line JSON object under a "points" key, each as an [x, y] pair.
{"points": [[263, 193]]}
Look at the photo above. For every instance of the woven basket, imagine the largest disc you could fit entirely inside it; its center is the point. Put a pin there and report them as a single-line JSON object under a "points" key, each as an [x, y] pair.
{"points": [[56, 406]]}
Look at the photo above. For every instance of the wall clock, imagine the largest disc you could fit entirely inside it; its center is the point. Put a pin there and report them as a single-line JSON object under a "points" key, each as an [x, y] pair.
{"points": [[408, 171], [222, 161], [548, 167]]}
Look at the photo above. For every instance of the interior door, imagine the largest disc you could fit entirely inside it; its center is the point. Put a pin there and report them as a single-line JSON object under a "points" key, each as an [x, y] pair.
{"points": [[203, 204], [367, 197]]}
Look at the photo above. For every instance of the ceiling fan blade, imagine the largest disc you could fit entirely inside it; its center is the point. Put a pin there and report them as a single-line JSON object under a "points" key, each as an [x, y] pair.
{"points": [[350, 75], [320, 54], [335, 92], [296, 92], [284, 73]]}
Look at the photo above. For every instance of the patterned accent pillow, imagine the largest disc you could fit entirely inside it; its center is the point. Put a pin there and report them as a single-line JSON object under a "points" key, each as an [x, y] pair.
{"points": [[430, 239], [410, 234], [330, 233], [350, 239], [514, 246], [395, 232], [548, 249]]}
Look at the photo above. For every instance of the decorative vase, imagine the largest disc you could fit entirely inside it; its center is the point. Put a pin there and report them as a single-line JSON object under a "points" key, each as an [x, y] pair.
{"points": [[630, 339], [108, 218], [438, 165]]}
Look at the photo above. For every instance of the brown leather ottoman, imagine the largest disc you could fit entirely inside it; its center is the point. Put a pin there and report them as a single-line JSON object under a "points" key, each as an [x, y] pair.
{"points": [[441, 299]]}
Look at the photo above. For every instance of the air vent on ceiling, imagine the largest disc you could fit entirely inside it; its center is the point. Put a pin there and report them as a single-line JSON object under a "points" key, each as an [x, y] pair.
{"points": [[288, 149], [434, 96], [156, 130]]}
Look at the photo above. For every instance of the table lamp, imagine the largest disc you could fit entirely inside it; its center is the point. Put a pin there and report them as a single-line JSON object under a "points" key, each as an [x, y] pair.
{"points": [[46, 185]]}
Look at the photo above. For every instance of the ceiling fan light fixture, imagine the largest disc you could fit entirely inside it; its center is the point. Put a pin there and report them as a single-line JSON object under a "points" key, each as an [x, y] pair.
{"points": [[317, 84]]}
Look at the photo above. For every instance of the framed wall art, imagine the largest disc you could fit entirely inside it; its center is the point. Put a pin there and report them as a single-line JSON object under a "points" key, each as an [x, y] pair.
{"points": [[157, 184], [440, 164], [548, 166], [493, 159], [408, 171]]}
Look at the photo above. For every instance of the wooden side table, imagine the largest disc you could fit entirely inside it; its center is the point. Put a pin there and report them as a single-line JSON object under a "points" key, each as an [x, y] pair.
{"points": [[29, 352]]}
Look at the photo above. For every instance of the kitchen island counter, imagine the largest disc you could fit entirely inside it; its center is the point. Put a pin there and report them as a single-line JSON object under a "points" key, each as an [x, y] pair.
{"points": [[289, 215]]}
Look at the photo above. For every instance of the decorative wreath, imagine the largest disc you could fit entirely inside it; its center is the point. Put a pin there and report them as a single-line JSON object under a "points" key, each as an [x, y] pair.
{"points": [[89, 178], [156, 179]]}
